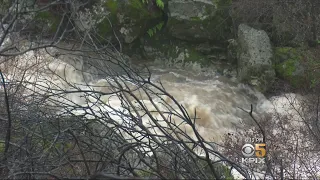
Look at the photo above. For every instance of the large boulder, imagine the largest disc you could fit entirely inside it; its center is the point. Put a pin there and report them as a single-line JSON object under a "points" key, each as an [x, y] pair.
{"points": [[198, 20], [255, 58]]}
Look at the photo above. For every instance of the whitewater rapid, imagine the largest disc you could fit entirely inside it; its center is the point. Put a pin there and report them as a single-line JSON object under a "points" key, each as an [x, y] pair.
{"points": [[219, 101]]}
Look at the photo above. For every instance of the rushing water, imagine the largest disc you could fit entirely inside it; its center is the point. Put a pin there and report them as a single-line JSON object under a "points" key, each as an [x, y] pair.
{"points": [[219, 101]]}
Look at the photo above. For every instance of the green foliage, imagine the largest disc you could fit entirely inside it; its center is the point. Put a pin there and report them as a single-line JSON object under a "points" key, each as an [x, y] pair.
{"points": [[159, 3], [112, 6], [299, 66], [136, 9], [155, 29], [139, 11], [287, 60], [313, 83], [104, 28], [136, 14], [138, 5], [152, 31], [289, 67]]}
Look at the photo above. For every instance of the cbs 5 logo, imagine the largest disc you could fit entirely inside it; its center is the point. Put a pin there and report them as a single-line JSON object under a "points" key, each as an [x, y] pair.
{"points": [[259, 150]]}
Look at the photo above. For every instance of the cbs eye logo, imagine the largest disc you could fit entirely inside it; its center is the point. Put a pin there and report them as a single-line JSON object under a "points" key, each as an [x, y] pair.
{"points": [[259, 150]]}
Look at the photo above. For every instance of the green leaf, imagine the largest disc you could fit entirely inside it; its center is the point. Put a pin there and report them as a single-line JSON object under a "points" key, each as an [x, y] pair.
{"points": [[159, 26], [150, 32], [160, 4], [155, 29]]}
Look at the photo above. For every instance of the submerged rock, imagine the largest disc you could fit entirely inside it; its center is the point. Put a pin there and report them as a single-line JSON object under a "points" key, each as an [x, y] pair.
{"points": [[255, 58]]}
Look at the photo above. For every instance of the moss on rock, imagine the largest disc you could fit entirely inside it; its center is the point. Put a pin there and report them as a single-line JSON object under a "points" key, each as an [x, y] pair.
{"points": [[288, 65]]}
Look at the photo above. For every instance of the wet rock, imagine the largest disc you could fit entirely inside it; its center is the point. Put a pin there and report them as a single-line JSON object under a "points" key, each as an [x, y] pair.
{"points": [[255, 58]]}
